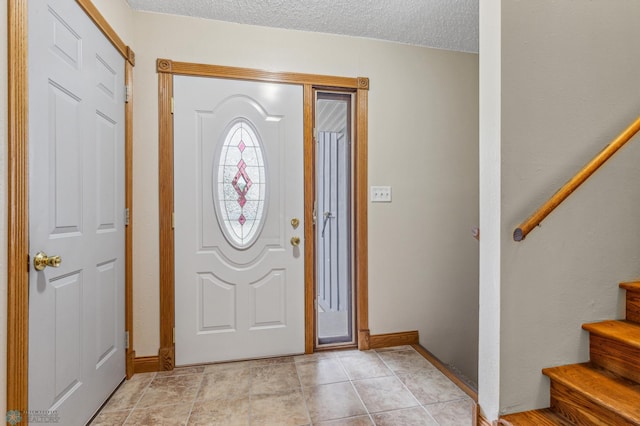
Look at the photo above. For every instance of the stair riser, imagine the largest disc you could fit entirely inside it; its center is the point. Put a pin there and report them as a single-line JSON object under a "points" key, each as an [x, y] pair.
{"points": [[633, 306], [615, 356], [581, 410]]}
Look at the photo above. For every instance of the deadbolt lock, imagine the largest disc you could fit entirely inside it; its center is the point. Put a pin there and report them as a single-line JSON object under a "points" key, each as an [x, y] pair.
{"points": [[295, 222]]}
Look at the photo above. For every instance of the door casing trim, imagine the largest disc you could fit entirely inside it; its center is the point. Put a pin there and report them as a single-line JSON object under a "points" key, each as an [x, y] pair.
{"points": [[18, 197], [166, 69]]}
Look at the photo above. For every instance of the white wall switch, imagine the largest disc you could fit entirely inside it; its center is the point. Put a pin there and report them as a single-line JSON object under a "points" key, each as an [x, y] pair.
{"points": [[380, 194]]}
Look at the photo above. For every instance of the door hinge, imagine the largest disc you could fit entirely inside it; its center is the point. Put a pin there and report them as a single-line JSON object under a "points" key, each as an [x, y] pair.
{"points": [[315, 211], [315, 135], [126, 340], [127, 217], [28, 262], [172, 105], [127, 94], [174, 335], [173, 220]]}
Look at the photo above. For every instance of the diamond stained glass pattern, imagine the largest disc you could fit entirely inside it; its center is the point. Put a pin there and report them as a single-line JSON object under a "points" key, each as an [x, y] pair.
{"points": [[241, 184]]}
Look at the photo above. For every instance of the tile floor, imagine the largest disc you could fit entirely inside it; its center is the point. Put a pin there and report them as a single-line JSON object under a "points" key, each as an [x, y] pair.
{"points": [[394, 386]]}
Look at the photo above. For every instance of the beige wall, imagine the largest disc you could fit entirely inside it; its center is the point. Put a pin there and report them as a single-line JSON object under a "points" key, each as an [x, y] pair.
{"points": [[423, 132], [569, 85], [120, 17]]}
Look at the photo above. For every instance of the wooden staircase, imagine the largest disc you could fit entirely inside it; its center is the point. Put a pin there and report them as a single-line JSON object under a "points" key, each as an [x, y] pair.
{"points": [[604, 391]]}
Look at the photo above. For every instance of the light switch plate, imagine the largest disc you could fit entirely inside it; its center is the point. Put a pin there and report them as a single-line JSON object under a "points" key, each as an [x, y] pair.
{"points": [[380, 194]]}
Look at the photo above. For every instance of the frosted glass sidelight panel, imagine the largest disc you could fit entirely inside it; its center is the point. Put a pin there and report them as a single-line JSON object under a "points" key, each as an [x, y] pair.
{"points": [[240, 180]]}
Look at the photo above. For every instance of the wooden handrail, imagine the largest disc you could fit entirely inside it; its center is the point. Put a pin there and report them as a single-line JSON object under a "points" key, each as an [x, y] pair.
{"points": [[534, 220]]}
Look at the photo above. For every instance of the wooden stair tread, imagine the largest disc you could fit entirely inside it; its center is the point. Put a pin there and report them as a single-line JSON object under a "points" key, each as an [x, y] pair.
{"points": [[632, 285], [600, 386], [544, 417], [622, 331]]}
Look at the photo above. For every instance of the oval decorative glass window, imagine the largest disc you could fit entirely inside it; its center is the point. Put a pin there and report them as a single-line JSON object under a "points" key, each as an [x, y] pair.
{"points": [[241, 183]]}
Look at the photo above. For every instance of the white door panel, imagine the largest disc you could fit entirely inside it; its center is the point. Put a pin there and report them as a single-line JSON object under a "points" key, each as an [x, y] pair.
{"points": [[239, 284], [76, 208]]}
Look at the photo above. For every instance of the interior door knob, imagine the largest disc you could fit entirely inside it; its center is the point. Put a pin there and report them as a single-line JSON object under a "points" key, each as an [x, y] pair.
{"points": [[41, 261], [295, 241]]}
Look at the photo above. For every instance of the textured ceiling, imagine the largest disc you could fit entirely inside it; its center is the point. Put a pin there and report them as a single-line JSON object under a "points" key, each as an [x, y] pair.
{"points": [[442, 24]]}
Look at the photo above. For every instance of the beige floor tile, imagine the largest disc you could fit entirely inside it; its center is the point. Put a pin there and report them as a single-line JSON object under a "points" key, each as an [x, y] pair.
{"points": [[321, 372], [228, 366], [231, 384], [232, 412], [168, 390], [365, 367], [281, 409], [314, 357], [129, 393], [353, 421], [113, 418], [396, 348], [357, 353], [182, 371], [384, 394], [416, 416], [397, 385], [333, 401], [431, 387], [406, 361], [142, 376], [274, 378], [176, 414], [453, 413], [271, 361]]}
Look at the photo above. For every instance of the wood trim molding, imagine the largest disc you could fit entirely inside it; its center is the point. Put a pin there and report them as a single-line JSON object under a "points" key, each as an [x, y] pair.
{"points": [[18, 197], [166, 68], [309, 230], [378, 341], [17, 209], [364, 336], [128, 142], [146, 364], [167, 266], [166, 357], [361, 241], [205, 70]]}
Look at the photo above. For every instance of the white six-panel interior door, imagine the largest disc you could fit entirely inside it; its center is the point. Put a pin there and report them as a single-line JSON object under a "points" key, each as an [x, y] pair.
{"points": [[76, 211]]}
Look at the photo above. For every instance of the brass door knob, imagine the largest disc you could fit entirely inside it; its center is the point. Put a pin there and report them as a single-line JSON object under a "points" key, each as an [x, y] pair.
{"points": [[295, 241], [41, 261]]}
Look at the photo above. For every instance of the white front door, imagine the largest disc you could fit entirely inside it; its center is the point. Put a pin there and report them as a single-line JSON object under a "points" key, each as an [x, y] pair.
{"points": [[238, 175], [76, 211]]}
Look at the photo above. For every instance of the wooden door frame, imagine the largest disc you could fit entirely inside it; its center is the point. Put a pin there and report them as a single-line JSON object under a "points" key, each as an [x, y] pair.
{"points": [[18, 197], [166, 69]]}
